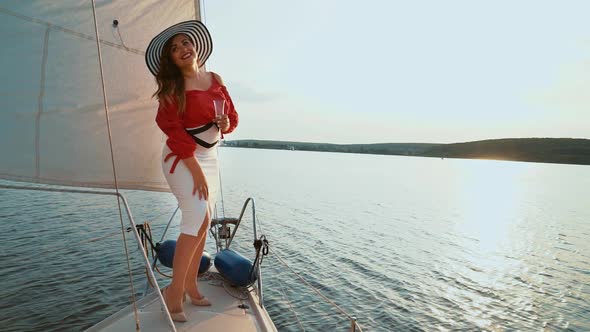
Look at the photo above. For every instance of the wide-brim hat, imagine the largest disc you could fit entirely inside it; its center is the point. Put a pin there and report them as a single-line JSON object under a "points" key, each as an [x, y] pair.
{"points": [[194, 29]]}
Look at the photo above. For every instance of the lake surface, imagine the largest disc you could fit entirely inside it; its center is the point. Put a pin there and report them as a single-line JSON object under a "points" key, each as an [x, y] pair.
{"points": [[402, 243]]}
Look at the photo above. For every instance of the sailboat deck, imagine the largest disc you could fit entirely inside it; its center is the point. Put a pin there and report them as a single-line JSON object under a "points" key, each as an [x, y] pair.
{"points": [[224, 314]]}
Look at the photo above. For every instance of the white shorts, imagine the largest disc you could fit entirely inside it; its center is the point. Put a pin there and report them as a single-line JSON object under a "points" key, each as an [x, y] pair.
{"points": [[193, 209]]}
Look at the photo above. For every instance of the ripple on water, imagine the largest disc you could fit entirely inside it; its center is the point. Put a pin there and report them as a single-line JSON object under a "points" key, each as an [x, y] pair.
{"points": [[399, 261]]}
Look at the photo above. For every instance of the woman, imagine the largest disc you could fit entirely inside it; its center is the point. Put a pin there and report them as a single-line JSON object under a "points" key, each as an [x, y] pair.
{"points": [[186, 114]]}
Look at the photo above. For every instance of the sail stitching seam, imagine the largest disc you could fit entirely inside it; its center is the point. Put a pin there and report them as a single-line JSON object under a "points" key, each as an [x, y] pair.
{"points": [[40, 102], [69, 31]]}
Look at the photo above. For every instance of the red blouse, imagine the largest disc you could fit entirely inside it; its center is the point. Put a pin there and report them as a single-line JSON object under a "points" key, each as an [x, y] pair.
{"points": [[199, 111]]}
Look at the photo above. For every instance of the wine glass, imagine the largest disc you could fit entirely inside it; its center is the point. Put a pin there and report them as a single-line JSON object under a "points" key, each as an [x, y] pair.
{"points": [[219, 105]]}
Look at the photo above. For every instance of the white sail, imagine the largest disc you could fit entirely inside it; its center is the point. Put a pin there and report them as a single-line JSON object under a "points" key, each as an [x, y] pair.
{"points": [[53, 124]]}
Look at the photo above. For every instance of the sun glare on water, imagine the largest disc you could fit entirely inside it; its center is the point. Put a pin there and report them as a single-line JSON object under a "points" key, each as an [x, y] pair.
{"points": [[490, 202]]}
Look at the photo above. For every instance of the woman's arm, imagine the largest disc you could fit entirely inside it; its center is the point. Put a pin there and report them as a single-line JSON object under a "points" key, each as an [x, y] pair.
{"points": [[179, 141], [182, 145]]}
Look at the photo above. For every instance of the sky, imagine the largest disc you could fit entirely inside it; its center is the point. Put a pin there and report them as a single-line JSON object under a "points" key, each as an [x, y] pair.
{"points": [[403, 71]]}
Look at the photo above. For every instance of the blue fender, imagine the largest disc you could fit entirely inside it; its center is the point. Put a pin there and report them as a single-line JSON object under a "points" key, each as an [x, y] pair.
{"points": [[235, 268]]}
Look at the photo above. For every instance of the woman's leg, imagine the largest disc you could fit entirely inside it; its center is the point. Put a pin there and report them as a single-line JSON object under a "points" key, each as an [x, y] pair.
{"points": [[190, 282], [193, 211], [183, 254]]}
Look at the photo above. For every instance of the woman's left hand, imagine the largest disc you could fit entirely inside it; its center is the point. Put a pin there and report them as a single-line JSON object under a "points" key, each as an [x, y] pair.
{"points": [[222, 122]]}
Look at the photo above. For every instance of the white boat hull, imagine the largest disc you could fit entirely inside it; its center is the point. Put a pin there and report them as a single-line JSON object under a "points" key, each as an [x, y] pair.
{"points": [[227, 312]]}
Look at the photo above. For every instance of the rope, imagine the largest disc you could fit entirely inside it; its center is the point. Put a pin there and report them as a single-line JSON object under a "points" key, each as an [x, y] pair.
{"points": [[145, 231], [215, 279], [121, 38], [106, 109], [259, 224], [352, 319], [261, 245], [239, 289], [144, 238]]}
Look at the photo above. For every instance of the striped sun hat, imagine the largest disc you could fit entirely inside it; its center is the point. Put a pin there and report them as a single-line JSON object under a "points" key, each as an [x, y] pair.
{"points": [[194, 29]]}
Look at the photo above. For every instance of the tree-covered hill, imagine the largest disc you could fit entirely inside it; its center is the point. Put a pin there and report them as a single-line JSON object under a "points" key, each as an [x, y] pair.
{"points": [[548, 150]]}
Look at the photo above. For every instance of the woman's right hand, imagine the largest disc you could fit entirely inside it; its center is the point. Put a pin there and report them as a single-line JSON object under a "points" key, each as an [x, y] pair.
{"points": [[200, 184], [199, 180]]}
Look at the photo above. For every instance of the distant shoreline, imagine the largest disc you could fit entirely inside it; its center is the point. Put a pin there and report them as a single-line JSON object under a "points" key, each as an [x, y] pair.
{"points": [[545, 150]]}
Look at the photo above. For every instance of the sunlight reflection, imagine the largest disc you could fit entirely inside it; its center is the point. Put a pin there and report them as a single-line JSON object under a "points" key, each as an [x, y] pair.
{"points": [[490, 203], [490, 197]]}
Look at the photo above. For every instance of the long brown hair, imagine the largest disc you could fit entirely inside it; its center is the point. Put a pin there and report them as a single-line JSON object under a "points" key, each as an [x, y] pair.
{"points": [[170, 80]]}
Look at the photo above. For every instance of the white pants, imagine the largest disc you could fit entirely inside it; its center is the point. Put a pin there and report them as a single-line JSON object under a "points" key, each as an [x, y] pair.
{"points": [[194, 210]]}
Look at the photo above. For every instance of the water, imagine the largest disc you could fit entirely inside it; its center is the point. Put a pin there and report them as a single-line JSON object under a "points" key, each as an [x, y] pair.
{"points": [[403, 243]]}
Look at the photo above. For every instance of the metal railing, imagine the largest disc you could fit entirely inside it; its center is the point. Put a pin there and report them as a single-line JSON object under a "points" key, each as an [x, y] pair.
{"points": [[122, 198], [214, 230], [218, 223], [354, 326]]}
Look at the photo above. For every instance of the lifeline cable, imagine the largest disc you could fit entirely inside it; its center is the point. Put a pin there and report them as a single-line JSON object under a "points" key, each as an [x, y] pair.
{"points": [[337, 307]]}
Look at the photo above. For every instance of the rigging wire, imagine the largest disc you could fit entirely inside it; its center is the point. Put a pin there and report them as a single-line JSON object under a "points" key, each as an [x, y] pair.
{"points": [[220, 183], [352, 319], [204, 20], [106, 109]]}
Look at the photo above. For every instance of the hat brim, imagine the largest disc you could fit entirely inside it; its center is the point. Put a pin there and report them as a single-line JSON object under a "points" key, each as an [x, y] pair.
{"points": [[194, 29]]}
